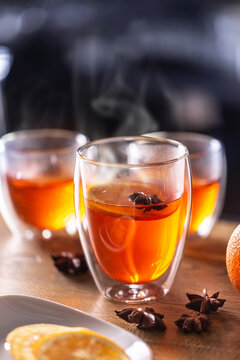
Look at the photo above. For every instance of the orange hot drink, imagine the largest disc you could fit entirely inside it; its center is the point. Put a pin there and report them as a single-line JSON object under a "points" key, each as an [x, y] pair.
{"points": [[132, 243], [45, 203], [204, 200]]}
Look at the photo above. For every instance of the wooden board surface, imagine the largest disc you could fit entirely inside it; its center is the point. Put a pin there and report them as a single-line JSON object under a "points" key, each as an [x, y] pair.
{"points": [[26, 268]]}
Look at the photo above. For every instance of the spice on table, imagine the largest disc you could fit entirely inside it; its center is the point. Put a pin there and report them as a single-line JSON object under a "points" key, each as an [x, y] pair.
{"points": [[123, 314], [204, 304], [139, 198], [144, 318], [194, 322], [70, 263]]}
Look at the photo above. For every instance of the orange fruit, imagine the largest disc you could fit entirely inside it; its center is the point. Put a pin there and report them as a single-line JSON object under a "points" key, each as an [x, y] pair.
{"points": [[233, 258]]}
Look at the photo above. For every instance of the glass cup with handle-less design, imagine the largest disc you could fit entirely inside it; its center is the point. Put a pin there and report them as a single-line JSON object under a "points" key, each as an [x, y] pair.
{"points": [[208, 163], [37, 168], [136, 193]]}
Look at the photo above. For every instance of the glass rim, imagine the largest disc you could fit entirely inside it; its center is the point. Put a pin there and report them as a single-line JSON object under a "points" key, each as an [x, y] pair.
{"points": [[190, 136], [131, 138], [54, 133]]}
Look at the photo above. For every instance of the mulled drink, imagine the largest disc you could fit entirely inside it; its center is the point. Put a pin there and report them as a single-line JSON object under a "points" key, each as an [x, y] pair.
{"points": [[204, 202], [208, 164], [136, 215], [37, 169], [45, 203]]}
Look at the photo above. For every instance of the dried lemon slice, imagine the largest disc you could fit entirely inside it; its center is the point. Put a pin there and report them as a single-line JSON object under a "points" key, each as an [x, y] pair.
{"points": [[20, 339], [77, 344]]}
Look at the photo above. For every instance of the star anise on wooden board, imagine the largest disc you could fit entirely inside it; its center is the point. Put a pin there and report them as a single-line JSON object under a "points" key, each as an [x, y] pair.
{"points": [[139, 198], [70, 263], [194, 322], [144, 318], [204, 304]]}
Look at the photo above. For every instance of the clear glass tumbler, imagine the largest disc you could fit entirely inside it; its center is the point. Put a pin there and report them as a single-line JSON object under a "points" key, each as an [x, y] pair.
{"points": [[37, 168], [132, 201], [208, 162]]}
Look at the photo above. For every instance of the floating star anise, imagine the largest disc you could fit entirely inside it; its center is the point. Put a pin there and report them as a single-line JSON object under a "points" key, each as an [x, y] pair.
{"points": [[204, 304], [145, 318], [194, 322], [70, 263], [139, 198]]}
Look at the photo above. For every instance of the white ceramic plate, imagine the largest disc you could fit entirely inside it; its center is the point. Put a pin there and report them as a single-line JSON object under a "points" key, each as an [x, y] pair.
{"points": [[17, 310]]}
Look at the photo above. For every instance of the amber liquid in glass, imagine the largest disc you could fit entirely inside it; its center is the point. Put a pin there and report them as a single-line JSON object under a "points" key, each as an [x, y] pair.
{"points": [[132, 244], [45, 203], [204, 200]]}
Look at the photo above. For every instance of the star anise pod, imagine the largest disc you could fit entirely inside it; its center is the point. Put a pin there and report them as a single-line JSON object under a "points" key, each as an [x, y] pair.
{"points": [[123, 314], [70, 263], [144, 318], [195, 322], [139, 198], [204, 304]]}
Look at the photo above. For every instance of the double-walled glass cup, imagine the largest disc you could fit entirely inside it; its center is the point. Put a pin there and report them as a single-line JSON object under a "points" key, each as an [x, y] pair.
{"points": [[132, 201], [37, 168], [208, 162]]}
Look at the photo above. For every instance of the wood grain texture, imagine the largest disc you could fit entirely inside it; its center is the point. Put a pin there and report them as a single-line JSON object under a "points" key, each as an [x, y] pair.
{"points": [[26, 268]]}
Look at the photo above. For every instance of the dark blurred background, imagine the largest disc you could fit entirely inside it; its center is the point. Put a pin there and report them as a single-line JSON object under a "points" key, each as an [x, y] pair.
{"points": [[109, 68]]}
